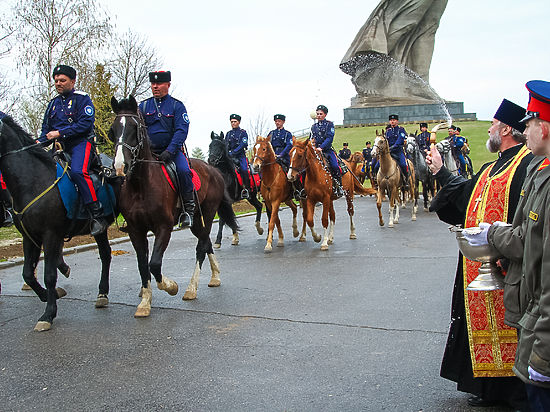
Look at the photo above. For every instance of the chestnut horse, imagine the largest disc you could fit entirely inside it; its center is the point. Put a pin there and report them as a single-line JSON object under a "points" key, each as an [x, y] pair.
{"points": [[275, 189], [357, 163], [390, 181], [148, 202]]}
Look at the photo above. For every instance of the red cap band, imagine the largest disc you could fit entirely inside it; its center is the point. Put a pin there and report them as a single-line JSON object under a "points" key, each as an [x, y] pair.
{"points": [[542, 107]]}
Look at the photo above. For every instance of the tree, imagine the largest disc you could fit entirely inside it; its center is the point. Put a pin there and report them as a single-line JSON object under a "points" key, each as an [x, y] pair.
{"points": [[101, 92], [197, 153], [257, 126], [6, 37], [134, 59]]}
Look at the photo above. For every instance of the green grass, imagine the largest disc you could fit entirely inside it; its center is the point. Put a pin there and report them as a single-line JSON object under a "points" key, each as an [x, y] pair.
{"points": [[475, 131]]}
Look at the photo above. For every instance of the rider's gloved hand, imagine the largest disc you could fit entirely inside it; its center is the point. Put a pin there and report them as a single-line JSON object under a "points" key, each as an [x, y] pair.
{"points": [[166, 156]]}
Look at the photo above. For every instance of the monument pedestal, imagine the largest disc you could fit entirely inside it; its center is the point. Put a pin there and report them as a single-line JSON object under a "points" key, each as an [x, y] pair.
{"points": [[370, 111]]}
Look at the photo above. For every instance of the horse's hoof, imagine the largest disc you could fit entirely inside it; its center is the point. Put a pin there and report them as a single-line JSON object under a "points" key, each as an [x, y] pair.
{"points": [[189, 295], [324, 247], [260, 231], [330, 241], [280, 244], [140, 294], [102, 301], [390, 225], [302, 239], [214, 283], [67, 272], [295, 233], [413, 218], [25, 287], [353, 236], [169, 286], [60, 292], [426, 209], [142, 312], [217, 245], [42, 326], [268, 249], [234, 242], [317, 239]]}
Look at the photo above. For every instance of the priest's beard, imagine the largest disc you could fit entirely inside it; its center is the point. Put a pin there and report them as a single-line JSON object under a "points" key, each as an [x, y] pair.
{"points": [[493, 142]]}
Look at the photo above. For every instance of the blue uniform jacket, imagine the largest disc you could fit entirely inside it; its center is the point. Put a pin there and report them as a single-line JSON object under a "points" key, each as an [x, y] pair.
{"points": [[2, 115], [323, 134], [367, 154], [281, 140], [72, 115], [237, 142], [396, 138], [168, 126], [457, 142], [424, 140]]}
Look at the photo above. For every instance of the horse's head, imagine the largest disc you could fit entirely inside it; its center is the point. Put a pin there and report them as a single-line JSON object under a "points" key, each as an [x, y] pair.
{"points": [[298, 158], [412, 146], [380, 146], [217, 150], [263, 151], [357, 157], [128, 132]]}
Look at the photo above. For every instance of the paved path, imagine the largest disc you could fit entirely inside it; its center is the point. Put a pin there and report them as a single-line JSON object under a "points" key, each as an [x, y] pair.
{"points": [[360, 327]]}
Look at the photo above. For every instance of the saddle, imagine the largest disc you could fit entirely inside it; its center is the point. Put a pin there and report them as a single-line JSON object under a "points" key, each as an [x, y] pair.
{"points": [[341, 164]]}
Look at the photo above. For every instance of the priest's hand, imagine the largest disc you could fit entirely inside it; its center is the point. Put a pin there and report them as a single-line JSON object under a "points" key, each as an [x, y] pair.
{"points": [[535, 376], [433, 159], [478, 239]]}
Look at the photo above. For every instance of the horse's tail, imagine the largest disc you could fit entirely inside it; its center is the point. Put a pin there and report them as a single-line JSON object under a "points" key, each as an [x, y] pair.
{"points": [[226, 213], [360, 189]]}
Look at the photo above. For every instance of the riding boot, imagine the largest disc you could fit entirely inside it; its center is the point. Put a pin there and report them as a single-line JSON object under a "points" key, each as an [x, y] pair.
{"points": [[338, 191], [245, 192], [405, 177], [188, 210], [298, 190], [99, 224]]}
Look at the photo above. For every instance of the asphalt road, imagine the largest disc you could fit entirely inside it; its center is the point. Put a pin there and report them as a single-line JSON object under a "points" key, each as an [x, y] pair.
{"points": [[361, 327]]}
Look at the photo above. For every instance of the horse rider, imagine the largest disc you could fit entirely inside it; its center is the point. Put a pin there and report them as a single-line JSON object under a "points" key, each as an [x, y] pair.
{"points": [[167, 124], [367, 155], [5, 198], [423, 139], [466, 147], [237, 144], [322, 133], [344, 152], [457, 143], [281, 140], [69, 118], [396, 136]]}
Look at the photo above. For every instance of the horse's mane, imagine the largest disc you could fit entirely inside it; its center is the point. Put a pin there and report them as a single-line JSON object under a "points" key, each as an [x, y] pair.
{"points": [[125, 106], [26, 139]]}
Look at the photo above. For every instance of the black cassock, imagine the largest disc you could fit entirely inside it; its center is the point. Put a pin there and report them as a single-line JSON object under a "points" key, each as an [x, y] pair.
{"points": [[450, 204]]}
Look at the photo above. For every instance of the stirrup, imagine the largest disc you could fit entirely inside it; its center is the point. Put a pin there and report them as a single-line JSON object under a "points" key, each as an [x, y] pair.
{"points": [[8, 219], [185, 220], [244, 194]]}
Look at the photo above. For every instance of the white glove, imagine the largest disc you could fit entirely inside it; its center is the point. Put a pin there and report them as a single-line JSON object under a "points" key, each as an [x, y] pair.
{"points": [[478, 239], [535, 376]]}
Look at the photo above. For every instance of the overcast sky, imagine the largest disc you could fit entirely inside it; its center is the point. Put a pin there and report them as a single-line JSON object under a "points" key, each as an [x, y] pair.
{"points": [[254, 57]]}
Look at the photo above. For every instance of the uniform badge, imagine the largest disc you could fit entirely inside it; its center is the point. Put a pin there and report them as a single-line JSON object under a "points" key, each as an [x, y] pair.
{"points": [[533, 216], [185, 118], [89, 110], [522, 193], [70, 104]]}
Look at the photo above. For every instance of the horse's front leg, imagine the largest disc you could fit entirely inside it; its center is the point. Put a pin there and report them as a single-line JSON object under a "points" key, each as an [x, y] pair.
{"points": [[379, 207], [294, 210], [192, 287], [394, 193], [325, 223], [162, 238], [258, 206], [104, 250], [349, 200], [270, 227], [304, 218], [141, 246], [310, 209], [331, 223], [218, 242], [31, 255]]}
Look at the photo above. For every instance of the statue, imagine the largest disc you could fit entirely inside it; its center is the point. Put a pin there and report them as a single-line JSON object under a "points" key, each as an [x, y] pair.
{"points": [[390, 57]]}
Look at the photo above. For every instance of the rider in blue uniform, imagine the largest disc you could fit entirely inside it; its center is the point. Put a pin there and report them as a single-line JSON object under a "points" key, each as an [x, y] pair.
{"points": [[281, 140], [345, 152], [423, 139], [5, 198], [396, 136], [167, 124], [322, 133], [367, 155], [237, 144], [69, 118], [457, 143]]}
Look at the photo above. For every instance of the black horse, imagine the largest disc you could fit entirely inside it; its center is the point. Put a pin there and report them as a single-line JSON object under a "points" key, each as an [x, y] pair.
{"points": [[218, 156], [149, 202], [40, 216]]}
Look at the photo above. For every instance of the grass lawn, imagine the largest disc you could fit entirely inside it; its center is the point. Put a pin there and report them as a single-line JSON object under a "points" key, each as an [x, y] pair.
{"points": [[475, 131]]}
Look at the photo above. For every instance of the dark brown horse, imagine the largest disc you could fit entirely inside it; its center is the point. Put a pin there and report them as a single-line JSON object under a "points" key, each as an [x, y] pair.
{"points": [[275, 189], [148, 202]]}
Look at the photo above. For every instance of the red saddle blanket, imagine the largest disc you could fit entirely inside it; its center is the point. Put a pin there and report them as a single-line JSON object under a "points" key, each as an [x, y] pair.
{"points": [[254, 179], [194, 175]]}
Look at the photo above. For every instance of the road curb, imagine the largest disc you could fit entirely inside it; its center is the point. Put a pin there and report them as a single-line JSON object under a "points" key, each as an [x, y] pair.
{"points": [[82, 248]]}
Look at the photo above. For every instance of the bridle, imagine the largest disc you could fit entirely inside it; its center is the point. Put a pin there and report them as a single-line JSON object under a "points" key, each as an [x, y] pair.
{"points": [[21, 149], [307, 164]]}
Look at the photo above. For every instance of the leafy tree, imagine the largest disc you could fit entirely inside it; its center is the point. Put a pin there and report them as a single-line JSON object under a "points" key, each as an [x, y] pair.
{"points": [[101, 92], [197, 153]]}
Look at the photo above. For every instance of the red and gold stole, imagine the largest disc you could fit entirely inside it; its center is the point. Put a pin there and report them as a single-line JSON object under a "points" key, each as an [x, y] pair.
{"points": [[492, 343]]}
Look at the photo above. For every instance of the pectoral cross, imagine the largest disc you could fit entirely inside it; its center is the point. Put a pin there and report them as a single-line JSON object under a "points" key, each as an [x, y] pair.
{"points": [[478, 201]]}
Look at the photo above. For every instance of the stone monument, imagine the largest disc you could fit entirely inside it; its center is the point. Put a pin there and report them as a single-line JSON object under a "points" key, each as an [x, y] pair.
{"points": [[389, 64]]}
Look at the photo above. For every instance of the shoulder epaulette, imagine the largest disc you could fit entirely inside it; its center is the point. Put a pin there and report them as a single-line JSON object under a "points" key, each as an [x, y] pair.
{"points": [[80, 93]]}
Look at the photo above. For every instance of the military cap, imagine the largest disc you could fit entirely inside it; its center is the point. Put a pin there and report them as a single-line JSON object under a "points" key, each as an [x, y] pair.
{"points": [[279, 117], [160, 77], [458, 129], [66, 70], [424, 125], [323, 108], [393, 116], [452, 127], [539, 100], [235, 116], [344, 144], [367, 143], [511, 114]]}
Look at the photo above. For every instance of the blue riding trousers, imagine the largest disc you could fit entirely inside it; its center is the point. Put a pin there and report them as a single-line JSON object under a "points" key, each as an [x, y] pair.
{"points": [[184, 172], [333, 163], [81, 155]]}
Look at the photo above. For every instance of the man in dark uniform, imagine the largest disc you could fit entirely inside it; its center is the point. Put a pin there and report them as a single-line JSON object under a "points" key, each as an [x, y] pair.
{"points": [[396, 136], [492, 194], [423, 139], [367, 155], [237, 143], [281, 140], [167, 124], [457, 144], [322, 133], [5, 198], [69, 118], [344, 152]]}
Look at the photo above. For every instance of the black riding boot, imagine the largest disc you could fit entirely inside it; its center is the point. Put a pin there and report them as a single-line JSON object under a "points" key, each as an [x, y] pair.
{"points": [[337, 180], [405, 177], [299, 192], [245, 193], [188, 211], [99, 223]]}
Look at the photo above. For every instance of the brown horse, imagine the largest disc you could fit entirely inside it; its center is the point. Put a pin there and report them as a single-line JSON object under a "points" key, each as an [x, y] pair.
{"points": [[275, 189], [390, 181], [148, 202], [357, 163]]}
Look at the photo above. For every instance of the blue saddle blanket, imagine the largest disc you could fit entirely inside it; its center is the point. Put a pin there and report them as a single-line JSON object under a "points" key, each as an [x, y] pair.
{"points": [[73, 202]]}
